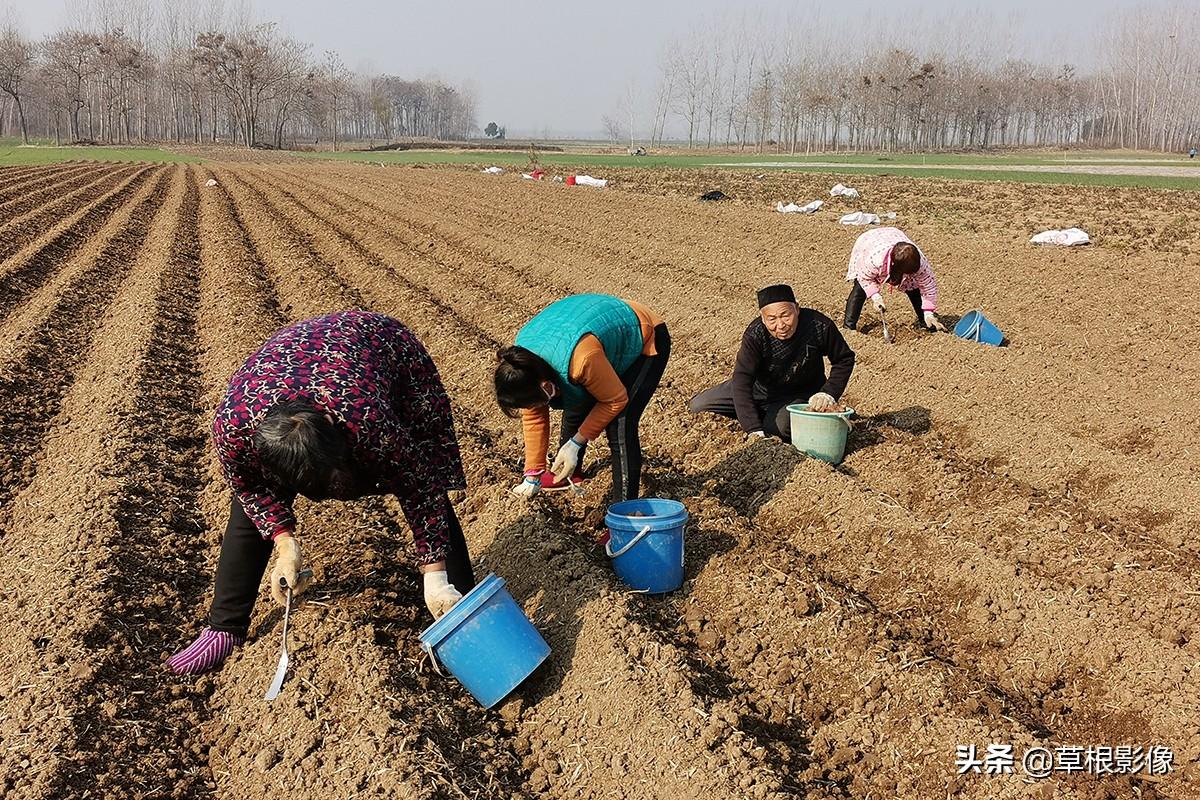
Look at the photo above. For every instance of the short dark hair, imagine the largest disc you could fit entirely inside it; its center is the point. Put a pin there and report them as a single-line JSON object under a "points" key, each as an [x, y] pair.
{"points": [[519, 376], [302, 451], [907, 257]]}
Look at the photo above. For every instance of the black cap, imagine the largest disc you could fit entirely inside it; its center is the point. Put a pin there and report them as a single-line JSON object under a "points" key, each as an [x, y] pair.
{"points": [[779, 293]]}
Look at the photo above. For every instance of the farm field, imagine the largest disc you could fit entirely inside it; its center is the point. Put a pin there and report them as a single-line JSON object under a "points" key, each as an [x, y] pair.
{"points": [[1124, 168], [1084, 167], [1007, 554]]}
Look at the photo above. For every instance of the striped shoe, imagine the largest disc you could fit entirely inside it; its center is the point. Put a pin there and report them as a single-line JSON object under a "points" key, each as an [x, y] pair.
{"points": [[209, 651]]}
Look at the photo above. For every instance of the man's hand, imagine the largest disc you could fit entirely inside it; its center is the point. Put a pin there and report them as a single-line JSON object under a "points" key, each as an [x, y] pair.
{"points": [[756, 436], [931, 321], [567, 460], [440, 594], [289, 566], [879, 304], [528, 487], [822, 401]]}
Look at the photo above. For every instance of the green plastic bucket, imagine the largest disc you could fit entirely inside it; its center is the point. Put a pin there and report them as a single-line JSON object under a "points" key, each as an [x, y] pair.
{"points": [[820, 434]]}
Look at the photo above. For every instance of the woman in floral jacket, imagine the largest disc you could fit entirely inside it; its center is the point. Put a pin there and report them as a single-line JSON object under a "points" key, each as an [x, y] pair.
{"points": [[340, 406]]}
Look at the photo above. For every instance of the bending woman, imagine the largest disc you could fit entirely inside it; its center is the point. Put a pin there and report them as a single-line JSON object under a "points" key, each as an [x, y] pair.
{"points": [[338, 407], [598, 359]]}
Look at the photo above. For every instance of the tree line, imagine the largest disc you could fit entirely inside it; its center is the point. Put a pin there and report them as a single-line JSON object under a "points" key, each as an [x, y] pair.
{"points": [[756, 83], [135, 73]]}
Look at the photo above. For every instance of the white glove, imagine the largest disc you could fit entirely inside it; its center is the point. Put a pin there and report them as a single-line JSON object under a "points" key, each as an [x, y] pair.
{"points": [[289, 570], [878, 301], [821, 401], [440, 594], [566, 461], [528, 487], [931, 321]]}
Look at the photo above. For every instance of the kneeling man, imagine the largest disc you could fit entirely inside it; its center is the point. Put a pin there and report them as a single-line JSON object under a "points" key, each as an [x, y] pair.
{"points": [[781, 361]]}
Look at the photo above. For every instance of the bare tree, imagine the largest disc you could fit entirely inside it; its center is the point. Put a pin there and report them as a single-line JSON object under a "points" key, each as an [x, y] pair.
{"points": [[247, 68], [612, 128], [335, 80], [629, 101], [69, 66], [690, 74], [665, 94], [17, 56]]}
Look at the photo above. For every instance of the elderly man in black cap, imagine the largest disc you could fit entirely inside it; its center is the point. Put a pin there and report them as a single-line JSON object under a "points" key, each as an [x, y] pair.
{"points": [[781, 361]]}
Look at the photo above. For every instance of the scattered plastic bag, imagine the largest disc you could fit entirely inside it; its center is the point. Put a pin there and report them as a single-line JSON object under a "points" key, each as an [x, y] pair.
{"points": [[860, 218], [1064, 238], [494, 170], [842, 191], [714, 196], [888, 215], [536, 175], [211, 182], [792, 208], [586, 180]]}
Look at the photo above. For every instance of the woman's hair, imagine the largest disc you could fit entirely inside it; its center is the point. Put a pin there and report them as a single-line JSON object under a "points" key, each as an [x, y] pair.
{"points": [[906, 258], [303, 451], [519, 376]]}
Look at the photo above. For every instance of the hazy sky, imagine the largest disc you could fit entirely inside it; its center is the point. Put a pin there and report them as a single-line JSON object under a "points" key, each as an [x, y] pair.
{"points": [[558, 66]]}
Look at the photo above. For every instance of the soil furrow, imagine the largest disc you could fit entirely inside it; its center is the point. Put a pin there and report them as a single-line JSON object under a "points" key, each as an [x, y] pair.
{"points": [[20, 230], [391, 219], [44, 202], [550, 214], [142, 748], [25, 273], [51, 583], [33, 387], [298, 245], [377, 261], [15, 184]]}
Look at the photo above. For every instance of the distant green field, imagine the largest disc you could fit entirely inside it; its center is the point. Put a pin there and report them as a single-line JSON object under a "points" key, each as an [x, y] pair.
{"points": [[12, 153], [948, 166]]}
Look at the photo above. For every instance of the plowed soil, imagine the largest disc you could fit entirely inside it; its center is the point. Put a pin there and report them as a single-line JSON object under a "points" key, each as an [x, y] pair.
{"points": [[1005, 556]]}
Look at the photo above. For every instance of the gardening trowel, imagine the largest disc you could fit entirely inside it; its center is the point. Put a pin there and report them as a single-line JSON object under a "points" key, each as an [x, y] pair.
{"points": [[887, 334], [281, 670]]}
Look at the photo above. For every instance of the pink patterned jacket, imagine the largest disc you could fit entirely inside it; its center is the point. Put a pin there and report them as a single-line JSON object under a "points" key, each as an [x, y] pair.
{"points": [[871, 263]]}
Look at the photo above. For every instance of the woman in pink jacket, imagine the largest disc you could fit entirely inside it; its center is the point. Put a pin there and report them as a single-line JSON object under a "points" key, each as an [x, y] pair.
{"points": [[887, 256]]}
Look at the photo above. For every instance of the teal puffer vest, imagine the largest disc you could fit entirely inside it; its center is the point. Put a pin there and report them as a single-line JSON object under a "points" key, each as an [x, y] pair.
{"points": [[554, 333]]}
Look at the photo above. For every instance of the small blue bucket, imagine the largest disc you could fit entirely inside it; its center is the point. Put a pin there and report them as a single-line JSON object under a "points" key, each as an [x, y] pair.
{"points": [[978, 328], [645, 543], [487, 642]]}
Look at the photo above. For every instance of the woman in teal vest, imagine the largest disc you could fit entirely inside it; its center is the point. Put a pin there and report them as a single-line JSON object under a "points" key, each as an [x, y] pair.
{"points": [[596, 358]]}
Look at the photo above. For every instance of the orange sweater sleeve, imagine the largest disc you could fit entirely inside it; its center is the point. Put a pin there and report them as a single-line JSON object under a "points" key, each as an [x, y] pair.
{"points": [[535, 425], [649, 321], [591, 369]]}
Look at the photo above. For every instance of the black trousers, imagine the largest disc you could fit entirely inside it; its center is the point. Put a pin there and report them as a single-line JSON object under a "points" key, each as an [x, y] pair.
{"points": [[245, 554], [776, 419], [641, 379], [854, 305]]}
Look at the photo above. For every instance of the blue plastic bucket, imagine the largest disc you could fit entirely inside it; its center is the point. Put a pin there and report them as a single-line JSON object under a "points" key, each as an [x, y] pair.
{"points": [[645, 543], [487, 642], [820, 434], [978, 328]]}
